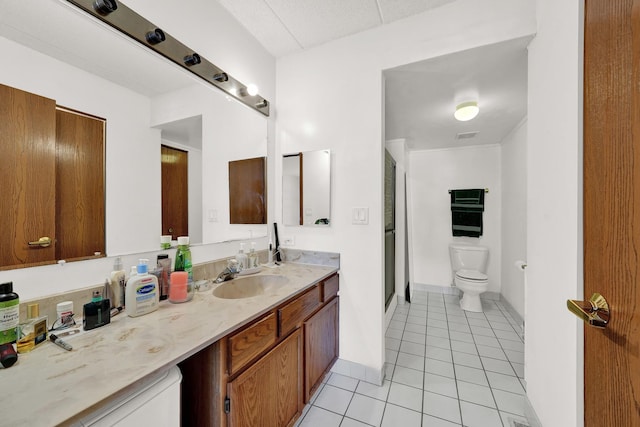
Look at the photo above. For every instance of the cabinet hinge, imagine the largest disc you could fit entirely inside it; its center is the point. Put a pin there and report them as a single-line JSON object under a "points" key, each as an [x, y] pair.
{"points": [[227, 405]]}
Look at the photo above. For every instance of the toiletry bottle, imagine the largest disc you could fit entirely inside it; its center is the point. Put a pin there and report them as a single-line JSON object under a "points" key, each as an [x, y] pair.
{"points": [[33, 331], [96, 313], [242, 258], [182, 288], [143, 294], [64, 309], [118, 282], [164, 263], [183, 257], [253, 256], [9, 313]]}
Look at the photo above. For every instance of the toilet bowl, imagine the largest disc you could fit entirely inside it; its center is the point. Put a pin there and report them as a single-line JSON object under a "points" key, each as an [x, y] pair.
{"points": [[472, 283], [469, 266]]}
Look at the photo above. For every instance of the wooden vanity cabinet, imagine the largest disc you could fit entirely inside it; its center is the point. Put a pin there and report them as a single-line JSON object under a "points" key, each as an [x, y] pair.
{"points": [[263, 373]]}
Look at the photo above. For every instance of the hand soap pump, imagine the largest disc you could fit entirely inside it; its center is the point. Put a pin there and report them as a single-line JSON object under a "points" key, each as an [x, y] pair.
{"points": [[241, 257], [253, 256], [183, 257], [143, 295]]}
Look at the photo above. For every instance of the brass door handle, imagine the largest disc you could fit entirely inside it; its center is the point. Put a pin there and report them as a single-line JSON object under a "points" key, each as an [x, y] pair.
{"points": [[595, 312], [42, 242]]}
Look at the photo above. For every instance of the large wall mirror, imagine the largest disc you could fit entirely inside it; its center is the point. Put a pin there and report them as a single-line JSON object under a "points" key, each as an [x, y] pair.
{"points": [[306, 188], [57, 52]]}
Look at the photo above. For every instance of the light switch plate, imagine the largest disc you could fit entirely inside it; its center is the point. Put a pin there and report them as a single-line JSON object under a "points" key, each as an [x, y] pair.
{"points": [[360, 216]]}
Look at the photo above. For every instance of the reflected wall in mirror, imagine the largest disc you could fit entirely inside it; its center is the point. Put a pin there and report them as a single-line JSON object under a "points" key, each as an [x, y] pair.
{"points": [[142, 97], [306, 188]]}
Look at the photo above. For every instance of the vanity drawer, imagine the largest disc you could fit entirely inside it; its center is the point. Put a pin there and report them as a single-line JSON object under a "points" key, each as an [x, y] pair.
{"points": [[245, 345], [294, 313], [330, 287]]}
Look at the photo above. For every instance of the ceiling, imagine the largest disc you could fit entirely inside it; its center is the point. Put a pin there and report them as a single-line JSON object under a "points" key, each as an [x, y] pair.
{"points": [[420, 98], [286, 26]]}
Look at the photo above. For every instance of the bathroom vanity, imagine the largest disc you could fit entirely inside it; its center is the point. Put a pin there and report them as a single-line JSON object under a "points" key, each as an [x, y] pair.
{"points": [[242, 360]]}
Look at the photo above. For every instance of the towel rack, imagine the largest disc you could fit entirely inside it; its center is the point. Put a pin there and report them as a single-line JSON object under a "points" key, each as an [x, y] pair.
{"points": [[486, 190]]}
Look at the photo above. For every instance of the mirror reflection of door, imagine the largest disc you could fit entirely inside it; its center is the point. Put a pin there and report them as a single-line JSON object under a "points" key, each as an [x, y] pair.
{"points": [[175, 207]]}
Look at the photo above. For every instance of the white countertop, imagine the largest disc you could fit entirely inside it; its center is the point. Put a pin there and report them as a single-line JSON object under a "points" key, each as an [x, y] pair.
{"points": [[51, 386]]}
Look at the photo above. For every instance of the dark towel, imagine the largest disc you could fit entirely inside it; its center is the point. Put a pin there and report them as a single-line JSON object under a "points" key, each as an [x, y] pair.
{"points": [[467, 207]]}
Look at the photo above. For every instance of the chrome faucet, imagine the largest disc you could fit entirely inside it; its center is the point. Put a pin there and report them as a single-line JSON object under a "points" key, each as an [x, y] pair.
{"points": [[230, 272]]}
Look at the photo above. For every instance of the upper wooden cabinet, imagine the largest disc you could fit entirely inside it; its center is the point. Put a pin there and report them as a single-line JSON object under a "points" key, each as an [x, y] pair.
{"points": [[52, 181]]}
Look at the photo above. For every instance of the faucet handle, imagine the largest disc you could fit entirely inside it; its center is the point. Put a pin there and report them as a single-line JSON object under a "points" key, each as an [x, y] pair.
{"points": [[234, 266]]}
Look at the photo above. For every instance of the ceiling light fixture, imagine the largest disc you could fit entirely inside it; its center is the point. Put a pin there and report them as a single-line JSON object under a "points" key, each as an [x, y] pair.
{"points": [[466, 111], [252, 89]]}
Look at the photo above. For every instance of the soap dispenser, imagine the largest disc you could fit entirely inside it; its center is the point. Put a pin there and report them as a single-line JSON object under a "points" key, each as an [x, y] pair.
{"points": [[241, 257], [253, 256], [143, 295]]}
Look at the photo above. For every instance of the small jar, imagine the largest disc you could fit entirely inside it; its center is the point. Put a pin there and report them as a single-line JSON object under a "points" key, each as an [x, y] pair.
{"points": [[181, 288]]}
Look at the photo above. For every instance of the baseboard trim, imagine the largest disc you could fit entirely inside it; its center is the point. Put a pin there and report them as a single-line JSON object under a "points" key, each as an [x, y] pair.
{"points": [[358, 371], [512, 311]]}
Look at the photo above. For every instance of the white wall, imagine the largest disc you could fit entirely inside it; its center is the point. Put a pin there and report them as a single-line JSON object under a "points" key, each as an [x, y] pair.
{"points": [[553, 347], [514, 215], [331, 97], [132, 145], [316, 174], [434, 173]]}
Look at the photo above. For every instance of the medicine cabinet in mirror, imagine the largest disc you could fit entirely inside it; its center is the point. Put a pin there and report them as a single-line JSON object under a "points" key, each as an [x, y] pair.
{"points": [[146, 101], [306, 188]]}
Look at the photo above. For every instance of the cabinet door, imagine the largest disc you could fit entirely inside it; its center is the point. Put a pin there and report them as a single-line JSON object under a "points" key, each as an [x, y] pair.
{"points": [[320, 345], [269, 393], [80, 196], [27, 144]]}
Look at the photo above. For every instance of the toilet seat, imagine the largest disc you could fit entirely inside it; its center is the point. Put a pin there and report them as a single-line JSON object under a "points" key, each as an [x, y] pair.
{"points": [[471, 276]]}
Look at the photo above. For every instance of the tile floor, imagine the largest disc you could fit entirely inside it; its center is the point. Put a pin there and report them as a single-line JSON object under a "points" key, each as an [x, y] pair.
{"points": [[445, 367]]}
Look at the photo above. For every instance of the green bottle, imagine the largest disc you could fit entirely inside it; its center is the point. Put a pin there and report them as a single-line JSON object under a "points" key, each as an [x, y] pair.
{"points": [[9, 313], [183, 257]]}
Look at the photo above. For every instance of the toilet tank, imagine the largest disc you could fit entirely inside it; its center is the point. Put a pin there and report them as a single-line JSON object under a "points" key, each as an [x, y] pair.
{"points": [[469, 257]]}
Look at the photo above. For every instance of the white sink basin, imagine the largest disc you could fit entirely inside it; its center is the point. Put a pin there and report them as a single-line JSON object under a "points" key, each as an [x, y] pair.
{"points": [[247, 287]]}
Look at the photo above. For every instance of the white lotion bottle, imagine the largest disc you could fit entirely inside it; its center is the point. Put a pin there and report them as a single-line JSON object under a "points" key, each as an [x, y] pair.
{"points": [[143, 293]]}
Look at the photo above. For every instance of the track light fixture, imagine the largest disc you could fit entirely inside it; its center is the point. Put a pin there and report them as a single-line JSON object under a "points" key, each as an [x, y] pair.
{"points": [[193, 59], [156, 36], [221, 77], [105, 7], [262, 104]]}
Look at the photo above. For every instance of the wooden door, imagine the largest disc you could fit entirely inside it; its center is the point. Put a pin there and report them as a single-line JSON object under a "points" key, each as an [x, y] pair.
{"points": [[80, 185], [27, 189], [612, 210], [320, 346], [269, 393], [247, 191], [175, 187]]}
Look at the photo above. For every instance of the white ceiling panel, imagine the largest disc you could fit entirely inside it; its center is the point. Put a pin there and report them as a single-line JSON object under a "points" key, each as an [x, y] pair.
{"points": [[392, 10], [260, 20], [314, 22]]}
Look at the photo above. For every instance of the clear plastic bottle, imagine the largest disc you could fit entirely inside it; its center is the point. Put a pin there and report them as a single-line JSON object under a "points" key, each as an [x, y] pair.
{"points": [[253, 256], [241, 257], [183, 257]]}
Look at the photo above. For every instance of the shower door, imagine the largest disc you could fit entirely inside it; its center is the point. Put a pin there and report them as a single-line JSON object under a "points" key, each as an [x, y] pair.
{"points": [[389, 229]]}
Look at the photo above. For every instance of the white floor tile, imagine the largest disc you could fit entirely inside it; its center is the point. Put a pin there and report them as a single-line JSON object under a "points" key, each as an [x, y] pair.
{"points": [[512, 345], [316, 394], [380, 392], [440, 406], [411, 361], [366, 409], [493, 352], [488, 341], [474, 315], [390, 356], [519, 368], [510, 402], [342, 381], [395, 324], [429, 421], [479, 416], [507, 419], [417, 320], [392, 344], [432, 315], [459, 327], [414, 338], [479, 322], [348, 422], [406, 376], [394, 333], [514, 356], [479, 330], [412, 348], [495, 365], [417, 329], [333, 399], [442, 342], [388, 370], [471, 375], [466, 359], [396, 416], [433, 323], [440, 385], [464, 347], [505, 382], [438, 353], [318, 417], [507, 335], [452, 318], [432, 331], [475, 393], [439, 367], [502, 326], [405, 396]]}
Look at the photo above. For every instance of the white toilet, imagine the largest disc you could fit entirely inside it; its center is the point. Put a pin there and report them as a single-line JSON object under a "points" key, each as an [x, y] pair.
{"points": [[469, 265]]}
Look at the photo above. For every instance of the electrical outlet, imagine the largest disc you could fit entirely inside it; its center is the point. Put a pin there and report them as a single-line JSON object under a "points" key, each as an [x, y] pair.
{"points": [[288, 241]]}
